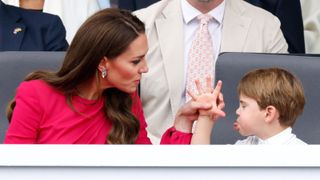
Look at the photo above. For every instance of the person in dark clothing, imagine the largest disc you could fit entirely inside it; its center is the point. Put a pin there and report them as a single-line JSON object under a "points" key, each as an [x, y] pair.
{"points": [[30, 30]]}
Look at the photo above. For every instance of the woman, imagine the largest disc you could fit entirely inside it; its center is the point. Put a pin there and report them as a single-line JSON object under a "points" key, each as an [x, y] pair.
{"points": [[92, 99]]}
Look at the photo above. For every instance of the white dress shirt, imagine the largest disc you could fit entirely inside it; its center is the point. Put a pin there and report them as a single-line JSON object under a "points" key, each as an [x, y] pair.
{"points": [[191, 25], [104, 4], [286, 137]]}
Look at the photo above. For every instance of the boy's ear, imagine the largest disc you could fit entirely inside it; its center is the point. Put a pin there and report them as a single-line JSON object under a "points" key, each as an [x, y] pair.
{"points": [[271, 114]]}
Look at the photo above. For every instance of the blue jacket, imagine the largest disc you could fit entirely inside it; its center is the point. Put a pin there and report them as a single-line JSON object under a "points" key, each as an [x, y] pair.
{"points": [[290, 16], [29, 30], [135, 4]]}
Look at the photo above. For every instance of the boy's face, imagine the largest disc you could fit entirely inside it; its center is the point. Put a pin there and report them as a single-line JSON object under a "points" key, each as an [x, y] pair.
{"points": [[250, 118]]}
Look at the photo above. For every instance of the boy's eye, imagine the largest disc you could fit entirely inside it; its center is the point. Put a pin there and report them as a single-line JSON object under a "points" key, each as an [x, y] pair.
{"points": [[242, 106], [136, 61]]}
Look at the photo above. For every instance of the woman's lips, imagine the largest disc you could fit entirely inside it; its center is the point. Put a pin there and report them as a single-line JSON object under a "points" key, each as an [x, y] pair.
{"points": [[137, 81]]}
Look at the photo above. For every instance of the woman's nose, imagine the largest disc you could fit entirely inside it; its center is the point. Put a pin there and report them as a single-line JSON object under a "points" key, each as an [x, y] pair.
{"points": [[144, 68]]}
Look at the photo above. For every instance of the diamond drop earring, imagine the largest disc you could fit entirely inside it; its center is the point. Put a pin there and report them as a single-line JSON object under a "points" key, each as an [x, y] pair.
{"points": [[104, 73]]}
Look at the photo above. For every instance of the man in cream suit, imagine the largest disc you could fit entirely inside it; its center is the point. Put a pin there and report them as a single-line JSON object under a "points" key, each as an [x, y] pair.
{"points": [[170, 27], [311, 23]]}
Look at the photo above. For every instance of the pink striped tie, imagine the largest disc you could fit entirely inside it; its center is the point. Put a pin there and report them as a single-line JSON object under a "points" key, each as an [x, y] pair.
{"points": [[201, 55]]}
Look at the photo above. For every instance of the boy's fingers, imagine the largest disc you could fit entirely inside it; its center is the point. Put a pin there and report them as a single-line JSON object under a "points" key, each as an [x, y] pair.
{"points": [[209, 88], [220, 97], [220, 101], [218, 88], [191, 95], [198, 85]]}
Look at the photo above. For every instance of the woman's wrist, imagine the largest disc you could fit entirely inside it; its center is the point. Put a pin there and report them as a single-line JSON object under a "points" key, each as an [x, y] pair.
{"points": [[183, 125]]}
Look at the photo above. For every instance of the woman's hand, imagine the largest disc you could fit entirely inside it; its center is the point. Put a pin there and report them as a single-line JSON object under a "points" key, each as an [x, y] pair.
{"points": [[187, 114]]}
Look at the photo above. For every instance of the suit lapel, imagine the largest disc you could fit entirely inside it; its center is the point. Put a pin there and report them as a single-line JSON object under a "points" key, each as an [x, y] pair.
{"points": [[13, 31], [15, 36], [170, 34], [235, 27]]}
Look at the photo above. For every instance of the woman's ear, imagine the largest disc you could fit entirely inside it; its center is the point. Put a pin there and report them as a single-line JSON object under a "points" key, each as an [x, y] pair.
{"points": [[271, 114], [104, 63]]}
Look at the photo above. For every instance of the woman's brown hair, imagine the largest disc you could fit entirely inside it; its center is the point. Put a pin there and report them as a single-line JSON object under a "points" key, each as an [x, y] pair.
{"points": [[108, 33]]}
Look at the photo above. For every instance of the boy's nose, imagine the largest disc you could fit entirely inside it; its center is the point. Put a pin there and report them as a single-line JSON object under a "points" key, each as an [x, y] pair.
{"points": [[237, 111]]}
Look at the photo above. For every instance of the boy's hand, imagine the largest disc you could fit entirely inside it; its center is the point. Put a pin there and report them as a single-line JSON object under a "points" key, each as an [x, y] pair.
{"points": [[208, 95]]}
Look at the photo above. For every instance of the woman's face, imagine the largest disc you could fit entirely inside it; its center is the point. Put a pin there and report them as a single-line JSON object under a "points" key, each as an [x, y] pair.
{"points": [[124, 71]]}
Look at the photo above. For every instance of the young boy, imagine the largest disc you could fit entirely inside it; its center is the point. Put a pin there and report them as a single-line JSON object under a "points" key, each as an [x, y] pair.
{"points": [[270, 101]]}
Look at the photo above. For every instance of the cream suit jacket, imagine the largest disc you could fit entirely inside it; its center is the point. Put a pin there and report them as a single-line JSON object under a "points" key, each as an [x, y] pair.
{"points": [[245, 29], [311, 23]]}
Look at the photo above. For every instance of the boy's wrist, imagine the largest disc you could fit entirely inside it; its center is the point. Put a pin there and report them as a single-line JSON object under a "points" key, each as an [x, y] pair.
{"points": [[208, 119]]}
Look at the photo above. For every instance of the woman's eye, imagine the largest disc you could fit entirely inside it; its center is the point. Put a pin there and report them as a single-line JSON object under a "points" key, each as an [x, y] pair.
{"points": [[136, 61]]}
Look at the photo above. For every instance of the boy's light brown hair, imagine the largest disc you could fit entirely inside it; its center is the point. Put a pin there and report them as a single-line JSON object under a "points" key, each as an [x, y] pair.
{"points": [[276, 87]]}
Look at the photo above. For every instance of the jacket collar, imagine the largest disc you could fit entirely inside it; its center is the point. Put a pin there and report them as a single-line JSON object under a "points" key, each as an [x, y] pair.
{"points": [[234, 21], [171, 44]]}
